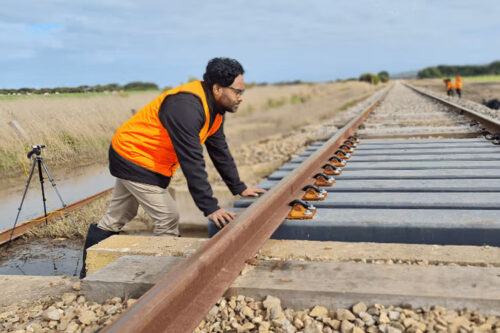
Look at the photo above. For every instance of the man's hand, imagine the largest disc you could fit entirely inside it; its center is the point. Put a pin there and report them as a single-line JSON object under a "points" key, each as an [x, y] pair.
{"points": [[221, 217], [252, 192]]}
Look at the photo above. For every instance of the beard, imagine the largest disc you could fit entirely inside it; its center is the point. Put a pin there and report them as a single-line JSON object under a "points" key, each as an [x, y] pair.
{"points": [[232, 108]]}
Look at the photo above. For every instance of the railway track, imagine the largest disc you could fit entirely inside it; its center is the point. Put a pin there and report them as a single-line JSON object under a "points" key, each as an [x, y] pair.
{"points": [[433, 187]]}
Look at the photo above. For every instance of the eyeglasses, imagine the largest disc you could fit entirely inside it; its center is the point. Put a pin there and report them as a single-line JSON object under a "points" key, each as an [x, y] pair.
{"points": [[238, 92]]}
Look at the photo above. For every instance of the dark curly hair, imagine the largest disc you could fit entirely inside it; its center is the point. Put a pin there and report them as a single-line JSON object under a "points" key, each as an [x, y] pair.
{"points": [[222, 71]]}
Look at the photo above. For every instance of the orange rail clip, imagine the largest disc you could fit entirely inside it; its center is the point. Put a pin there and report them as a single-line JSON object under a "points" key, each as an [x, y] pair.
{"points": [[337, 161], [323, 180], [342, 154], [301, 210], [314, 193], [331, 170]]}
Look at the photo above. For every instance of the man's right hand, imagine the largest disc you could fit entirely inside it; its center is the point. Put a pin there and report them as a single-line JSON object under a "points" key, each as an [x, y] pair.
{"points": [[221, 217]]}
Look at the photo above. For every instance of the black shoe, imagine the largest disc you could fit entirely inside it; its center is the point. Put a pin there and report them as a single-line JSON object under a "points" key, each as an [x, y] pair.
{"points": [[94, 236]]}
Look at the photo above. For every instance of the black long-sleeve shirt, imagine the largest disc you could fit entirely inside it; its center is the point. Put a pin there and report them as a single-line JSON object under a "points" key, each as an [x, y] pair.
{"points": [[183, 117]]}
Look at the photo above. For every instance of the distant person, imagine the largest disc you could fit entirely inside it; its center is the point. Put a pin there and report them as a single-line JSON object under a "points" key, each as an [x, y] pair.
{"points": [[458, 86], [167, 133], [450, 87]]}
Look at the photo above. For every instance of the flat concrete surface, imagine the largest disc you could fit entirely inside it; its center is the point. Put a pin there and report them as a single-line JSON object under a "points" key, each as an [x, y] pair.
{"points": [[421, 141], [412, 165], [347, 174], [402, 158], [364, 149], [123, 245], [407, 185], [401, 132], [413, 226], [27, 288], [452, 200], [334, 285], [117, 246]]}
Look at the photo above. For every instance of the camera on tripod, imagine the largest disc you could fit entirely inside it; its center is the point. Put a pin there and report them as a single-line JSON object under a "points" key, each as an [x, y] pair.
{"points": [[37, 150]]}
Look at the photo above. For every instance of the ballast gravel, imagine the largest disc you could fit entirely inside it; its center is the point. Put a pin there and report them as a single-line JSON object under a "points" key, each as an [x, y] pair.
{"points": [[244, 314], [406, 109]]}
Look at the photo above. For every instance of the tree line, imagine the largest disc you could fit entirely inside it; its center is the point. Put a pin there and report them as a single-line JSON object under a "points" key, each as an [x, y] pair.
{"points": [[132, 86], [467, 70], [382, 76]]}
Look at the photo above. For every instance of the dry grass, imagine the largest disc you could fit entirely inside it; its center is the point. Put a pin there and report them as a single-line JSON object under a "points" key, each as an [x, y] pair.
{"points": [[83, 217], [75, 130]]}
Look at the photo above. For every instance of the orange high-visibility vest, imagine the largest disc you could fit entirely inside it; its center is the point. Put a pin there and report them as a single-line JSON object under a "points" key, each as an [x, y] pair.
{"points": [[144, 141], [458, 82], [449, 86]]}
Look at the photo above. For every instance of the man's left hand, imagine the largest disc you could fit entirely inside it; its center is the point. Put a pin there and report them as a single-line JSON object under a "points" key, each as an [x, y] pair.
{"points": [[252, 192]]}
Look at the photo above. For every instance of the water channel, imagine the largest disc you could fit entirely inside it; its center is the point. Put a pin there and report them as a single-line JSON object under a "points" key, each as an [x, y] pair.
{"points": [[73, 186], [45, 256]]}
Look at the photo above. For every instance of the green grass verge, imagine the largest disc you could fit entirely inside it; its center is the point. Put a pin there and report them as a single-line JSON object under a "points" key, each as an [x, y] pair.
{"points": [[483, 78]]}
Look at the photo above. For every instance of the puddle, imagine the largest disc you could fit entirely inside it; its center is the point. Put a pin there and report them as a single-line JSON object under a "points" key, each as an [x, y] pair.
{"points": [[73, 186], [42, 257]]}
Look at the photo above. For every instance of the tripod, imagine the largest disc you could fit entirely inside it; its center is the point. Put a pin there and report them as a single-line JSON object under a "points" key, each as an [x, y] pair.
{"points": [[38, 161]]}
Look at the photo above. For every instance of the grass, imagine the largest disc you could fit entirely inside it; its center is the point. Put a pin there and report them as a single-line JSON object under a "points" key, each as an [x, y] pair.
{"points": [[83, 217], [483, 78], [77, 131], [351, 103], [272, 103], [76, 95]]}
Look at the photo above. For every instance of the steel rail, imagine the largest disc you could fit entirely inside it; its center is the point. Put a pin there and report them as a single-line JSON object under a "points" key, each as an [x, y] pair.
{"points": [[180, 300], [25, 226], [487, 122]]}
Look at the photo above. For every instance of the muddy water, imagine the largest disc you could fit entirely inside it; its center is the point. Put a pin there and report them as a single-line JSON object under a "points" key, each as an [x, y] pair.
{"points": [[42, 257], [73, 186]]}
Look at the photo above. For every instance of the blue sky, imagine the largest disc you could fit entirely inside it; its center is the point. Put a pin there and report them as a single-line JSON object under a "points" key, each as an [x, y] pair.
{"points": [[69, 43]]}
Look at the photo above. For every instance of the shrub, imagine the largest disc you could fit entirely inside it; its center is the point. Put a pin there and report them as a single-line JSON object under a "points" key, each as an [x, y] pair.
{"points": [[383, 76], [370, 78]]}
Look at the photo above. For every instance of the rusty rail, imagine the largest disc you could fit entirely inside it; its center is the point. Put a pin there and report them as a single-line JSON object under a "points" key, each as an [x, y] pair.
{"points": [[487, 122], [180, 300], [25, 226]]}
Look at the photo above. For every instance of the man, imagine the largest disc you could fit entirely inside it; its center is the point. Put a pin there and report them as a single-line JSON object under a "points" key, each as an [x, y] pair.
{"points": [[170, 131], [458, 86], [450, 87]]}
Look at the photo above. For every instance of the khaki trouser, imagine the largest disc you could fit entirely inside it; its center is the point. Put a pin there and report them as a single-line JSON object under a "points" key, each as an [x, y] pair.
{"points": [[156, 202]]}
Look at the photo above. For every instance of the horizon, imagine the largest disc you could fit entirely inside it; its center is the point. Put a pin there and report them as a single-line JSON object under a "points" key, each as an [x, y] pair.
{"points": [[59, 44]]}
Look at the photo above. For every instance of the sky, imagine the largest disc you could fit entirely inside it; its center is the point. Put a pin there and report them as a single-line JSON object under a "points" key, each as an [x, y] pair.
{"points": [[54, 43]]}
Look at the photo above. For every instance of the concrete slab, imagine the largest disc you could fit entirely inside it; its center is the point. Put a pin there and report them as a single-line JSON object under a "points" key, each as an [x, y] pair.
{"points": [[302, 285], [428, 146], [334, 285], [421, 141], [419, 152], [422, 200], [407, 185], [373, 130], [26, 288], [348, 174], [413, 226], [469, 156], [118, 246], [127, 277], [408, 165], [389, 134], [428, 151]]}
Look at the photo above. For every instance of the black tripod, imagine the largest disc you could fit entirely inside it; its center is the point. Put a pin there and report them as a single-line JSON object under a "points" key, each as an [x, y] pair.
{"points": [[38, 160]]}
